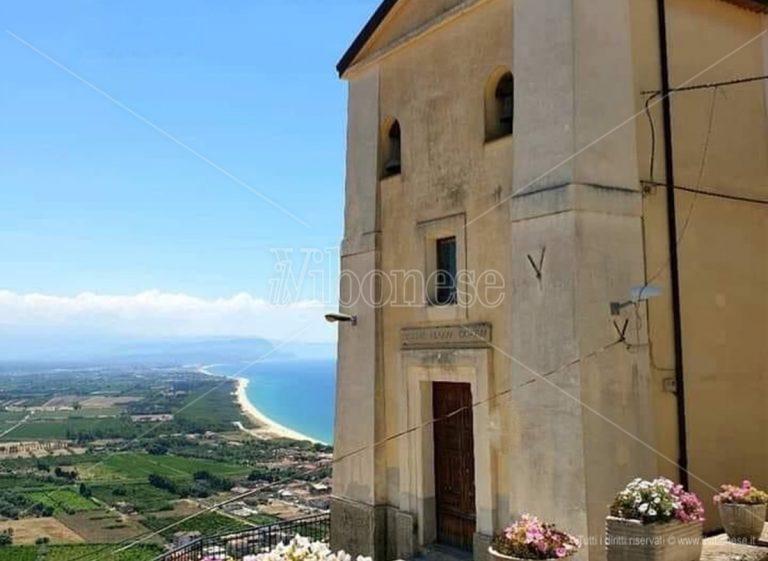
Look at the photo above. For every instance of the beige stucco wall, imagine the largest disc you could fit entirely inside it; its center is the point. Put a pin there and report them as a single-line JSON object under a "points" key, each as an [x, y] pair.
{"points": [[724, 247], [448, 171], [580, 66]]}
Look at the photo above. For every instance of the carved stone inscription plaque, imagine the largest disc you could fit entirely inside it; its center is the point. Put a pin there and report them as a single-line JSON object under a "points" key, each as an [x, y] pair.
{"points": [[471, 335]]}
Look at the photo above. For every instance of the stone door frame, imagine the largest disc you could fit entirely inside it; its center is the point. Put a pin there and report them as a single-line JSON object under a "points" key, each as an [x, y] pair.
{"points": [[419, 369]]}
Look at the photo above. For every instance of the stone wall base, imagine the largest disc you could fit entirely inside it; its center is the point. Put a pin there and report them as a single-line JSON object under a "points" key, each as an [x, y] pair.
{"points": [[480, 545], [382, 532], [358, 528]]}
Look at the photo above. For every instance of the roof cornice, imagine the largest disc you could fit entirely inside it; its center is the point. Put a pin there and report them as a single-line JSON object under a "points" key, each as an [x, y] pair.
{"points": [[384, 9], [362, 38], [760, 6]]}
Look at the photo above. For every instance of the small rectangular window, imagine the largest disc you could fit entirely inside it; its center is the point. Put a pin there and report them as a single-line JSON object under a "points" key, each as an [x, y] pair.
{"points": [[445, 277]]}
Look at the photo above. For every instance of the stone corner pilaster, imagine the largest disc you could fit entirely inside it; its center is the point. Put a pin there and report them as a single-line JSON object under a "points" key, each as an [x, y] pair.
{"points": [[358, 528], [480, 545]]}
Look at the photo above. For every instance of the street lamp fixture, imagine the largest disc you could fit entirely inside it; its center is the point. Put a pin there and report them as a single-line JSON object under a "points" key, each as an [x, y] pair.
{"points": [[341, 318], [637, 294]]}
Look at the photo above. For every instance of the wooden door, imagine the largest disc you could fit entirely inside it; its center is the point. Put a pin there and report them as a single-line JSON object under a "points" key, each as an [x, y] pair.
{"points": [[454, 464]]}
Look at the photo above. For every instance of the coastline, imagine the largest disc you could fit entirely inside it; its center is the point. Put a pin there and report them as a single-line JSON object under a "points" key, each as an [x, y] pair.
{"points": [[267, 426]]}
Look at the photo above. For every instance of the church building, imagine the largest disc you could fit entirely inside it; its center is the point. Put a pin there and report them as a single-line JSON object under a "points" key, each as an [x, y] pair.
{"points": [[554, 265]]}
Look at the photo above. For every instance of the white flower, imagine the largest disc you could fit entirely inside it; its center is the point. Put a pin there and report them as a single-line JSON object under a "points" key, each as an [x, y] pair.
{"points": [[303, 549], [643, 507]]}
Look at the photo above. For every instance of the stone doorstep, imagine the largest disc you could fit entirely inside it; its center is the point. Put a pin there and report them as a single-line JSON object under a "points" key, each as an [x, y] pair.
{"points": [[720, 548], [440, 552]]}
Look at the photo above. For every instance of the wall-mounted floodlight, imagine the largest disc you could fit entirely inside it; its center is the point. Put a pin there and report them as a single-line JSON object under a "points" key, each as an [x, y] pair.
{"points": [[341, 318], [637, 294], [643, 293]]}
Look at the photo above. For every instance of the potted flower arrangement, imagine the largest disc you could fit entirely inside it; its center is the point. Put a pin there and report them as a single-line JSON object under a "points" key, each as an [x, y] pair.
{"points": [[654, 521], [303, 549], [528, 538], [742, 510]]}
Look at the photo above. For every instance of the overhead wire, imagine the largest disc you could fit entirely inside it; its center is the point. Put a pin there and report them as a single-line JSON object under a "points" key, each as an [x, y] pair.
{"points": [[127, 544], [136, 540]]}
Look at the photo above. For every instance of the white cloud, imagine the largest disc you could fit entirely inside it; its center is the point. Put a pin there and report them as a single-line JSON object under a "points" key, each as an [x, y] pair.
{"points": [[155, 313]]}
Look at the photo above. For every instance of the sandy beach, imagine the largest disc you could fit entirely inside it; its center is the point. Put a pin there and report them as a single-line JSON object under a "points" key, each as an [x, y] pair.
{"points": [[267, 426]]}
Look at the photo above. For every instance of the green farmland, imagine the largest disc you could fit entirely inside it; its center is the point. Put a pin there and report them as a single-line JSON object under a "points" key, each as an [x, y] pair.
{"points": [[26, 483], [73, 552], [134, 466], [63, 501], [104, 412], [212, 409], [70, 428], [12, 416], [207, 524], [143, 496]]}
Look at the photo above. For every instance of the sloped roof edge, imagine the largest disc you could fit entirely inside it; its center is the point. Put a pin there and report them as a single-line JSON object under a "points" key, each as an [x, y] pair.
{"points": [[386, 7], [754, 5], [362, 38]]}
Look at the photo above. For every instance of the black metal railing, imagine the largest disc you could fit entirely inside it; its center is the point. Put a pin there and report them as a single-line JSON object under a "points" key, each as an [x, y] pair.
{"points": [[251, 542]]}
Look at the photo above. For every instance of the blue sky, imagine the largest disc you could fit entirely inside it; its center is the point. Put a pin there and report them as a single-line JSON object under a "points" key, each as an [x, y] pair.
{"points": [[94, 200]]}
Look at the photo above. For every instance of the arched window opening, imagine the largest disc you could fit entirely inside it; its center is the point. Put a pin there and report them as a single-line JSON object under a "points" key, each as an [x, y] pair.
{"points": [[500, 106], [393, 163], [505, 94]]}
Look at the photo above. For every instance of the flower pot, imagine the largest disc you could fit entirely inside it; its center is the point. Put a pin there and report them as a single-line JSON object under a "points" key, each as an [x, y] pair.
{"points": [[742, 521], [496, 556], [631, 540]]}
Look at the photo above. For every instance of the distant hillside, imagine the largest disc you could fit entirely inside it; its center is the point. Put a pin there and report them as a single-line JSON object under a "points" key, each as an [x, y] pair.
{"points": [[195, 351], [305, 350], [52, 347]]}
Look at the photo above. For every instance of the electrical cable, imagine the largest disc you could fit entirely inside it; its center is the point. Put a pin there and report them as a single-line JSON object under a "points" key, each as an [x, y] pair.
{"points": [[709, 85], [128, 543], [709, 193], [689, 214]]}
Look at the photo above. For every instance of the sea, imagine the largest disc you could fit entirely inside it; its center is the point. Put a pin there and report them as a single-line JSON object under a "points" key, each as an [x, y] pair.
{"points": [[298, 394]]}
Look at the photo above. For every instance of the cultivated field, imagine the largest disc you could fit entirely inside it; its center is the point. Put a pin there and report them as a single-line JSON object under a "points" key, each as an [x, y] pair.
{"points": [[91, 412], [22, 483], [12, 416], [95, 402], [181, 509], [26, 531], [34, 449], [103, 527], [135, 466], [143, 496], [63, 501], [69, 428], [77, 552], [99, 402], [207, 524]]}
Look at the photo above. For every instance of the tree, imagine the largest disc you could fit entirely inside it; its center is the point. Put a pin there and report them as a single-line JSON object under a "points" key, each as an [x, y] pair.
{"points": [[157, 449], [162, 482], [42, 548]]}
